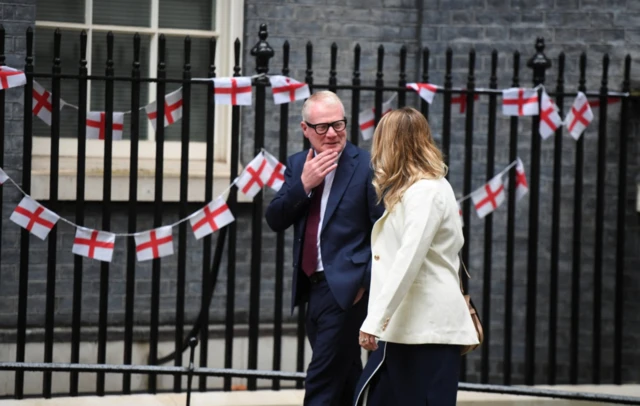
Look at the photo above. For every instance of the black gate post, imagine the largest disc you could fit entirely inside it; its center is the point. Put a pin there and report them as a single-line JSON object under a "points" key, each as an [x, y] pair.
{"points": [[263, 52], [539, 63]]}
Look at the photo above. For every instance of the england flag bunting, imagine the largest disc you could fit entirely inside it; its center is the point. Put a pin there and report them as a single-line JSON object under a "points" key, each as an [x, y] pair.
{"points": [[172, 109], [517, 101], [211, 218], [41, 105], [234, 91], [460, 213], [522, 186], [426, 90], [10, 77], [286, 90], [367, 118], [487, 198], [152, 244], [96, 122], [550, 120], [3, 176], [461, 99], [34, 217], [579, 117], [251, 180], [275, 172], [94, 244]]}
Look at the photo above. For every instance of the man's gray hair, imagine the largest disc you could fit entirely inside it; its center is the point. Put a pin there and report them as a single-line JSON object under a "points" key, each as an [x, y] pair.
{"points": [[325, 96]]}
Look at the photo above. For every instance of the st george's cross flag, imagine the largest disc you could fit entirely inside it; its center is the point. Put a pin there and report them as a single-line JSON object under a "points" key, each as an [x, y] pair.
{"points": [[487, 198], [96, 125], [3, 176], [274, 174], [579, 116], [94, 244], [367, 118], [211, 218], [550, 120], [286, 90], [154, 243], [10, 77], [33, 217], [235, 91], [426, 90], [251, 180], [172, 109], [522, 186], [42, 104], [517, 101]]}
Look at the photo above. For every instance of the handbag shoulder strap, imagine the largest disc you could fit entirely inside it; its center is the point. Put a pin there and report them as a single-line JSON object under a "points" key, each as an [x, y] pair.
{"points": [[460, 273]]}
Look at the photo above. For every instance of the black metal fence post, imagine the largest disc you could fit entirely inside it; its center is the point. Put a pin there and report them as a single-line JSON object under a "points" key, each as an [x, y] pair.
{"points": [[539, 63], [355, 96], [193, 342]]}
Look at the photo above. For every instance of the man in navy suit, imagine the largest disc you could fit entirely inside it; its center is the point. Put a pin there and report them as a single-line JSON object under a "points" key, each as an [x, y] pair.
{"points": [[328, 197]]}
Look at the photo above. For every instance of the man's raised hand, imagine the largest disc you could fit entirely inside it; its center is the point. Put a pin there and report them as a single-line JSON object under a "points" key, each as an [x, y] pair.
{"points": [[316, 168]]}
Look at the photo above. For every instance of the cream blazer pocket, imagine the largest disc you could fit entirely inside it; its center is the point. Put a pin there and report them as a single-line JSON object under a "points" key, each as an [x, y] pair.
{"points": [[415, 297]]}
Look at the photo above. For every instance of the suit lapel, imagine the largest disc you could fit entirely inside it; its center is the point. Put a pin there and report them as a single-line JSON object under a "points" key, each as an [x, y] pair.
{"points": [[346, 167]]}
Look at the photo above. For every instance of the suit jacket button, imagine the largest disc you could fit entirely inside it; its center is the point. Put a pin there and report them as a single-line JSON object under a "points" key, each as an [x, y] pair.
{"points": [[376, 257]]}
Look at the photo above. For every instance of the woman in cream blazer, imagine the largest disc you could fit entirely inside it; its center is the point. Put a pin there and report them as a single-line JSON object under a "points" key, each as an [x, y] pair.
{"points": [[417, 317]]}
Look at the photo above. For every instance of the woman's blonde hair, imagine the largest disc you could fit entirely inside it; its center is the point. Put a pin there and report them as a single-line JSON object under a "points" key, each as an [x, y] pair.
{"points": [[403, 152]]}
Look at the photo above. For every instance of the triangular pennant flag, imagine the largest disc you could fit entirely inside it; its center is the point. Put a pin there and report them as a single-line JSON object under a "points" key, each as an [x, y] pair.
{"points": [[96, 122], [487, 198], [211, 218], [286, 90], [522, 187], [10, 77], [41, 105], [366, 118], [274, 174], [579, 117], [94, 244], [550, 120], [234, 91], [154, 243], [250, 181], [517, 101], [3, 176], [426, 90], [172, 109], [32, 216]]}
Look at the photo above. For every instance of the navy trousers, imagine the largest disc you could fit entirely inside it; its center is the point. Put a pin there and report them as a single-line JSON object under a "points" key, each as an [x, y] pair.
{"points": [[411, 375], [335, 364]]}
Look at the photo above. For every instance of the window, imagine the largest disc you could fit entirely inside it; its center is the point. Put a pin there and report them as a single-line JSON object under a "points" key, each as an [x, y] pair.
{"points": [[176, 19]]}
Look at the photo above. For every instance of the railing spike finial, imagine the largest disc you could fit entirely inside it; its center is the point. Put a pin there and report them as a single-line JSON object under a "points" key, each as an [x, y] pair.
{"points": [[262, 51]]}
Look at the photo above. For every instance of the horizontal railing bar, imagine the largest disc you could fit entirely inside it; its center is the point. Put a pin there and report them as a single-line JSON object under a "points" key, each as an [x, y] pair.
{"points": [[124, 29], [298, 376]]}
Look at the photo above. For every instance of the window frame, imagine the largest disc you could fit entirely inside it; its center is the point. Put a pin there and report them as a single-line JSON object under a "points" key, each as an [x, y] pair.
{"points": [[229, 23]]}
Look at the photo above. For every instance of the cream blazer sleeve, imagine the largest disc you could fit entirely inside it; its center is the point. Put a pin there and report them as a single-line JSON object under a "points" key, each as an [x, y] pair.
{"points": [[422, 208]]}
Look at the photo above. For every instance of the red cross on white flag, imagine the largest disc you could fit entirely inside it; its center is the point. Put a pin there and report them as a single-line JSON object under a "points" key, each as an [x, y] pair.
{"points": [[96, 122], [42, 103], [594, 103], [522, 187], [34, 217], [10, 77], [579, 117], [234, 91], [154, 244], [461, 99], [426, 90], [367, 118], [172, 109], [487, 198], [286, 90], [3, 176], [517, 101], [550, 120], [251, 180], [274, 174], [211, 218], [94, 244]]}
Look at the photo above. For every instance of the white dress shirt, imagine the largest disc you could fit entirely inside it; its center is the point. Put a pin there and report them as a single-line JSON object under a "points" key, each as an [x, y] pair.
{"points": [[328, 182]]}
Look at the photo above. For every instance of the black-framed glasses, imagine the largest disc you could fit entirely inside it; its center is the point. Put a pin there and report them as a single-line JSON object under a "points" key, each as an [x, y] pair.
{"points": [[322, 128]]}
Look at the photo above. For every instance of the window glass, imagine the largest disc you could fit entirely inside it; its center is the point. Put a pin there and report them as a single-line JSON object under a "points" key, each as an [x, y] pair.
{"points": [[187, 14], [68, 11], [122, 12]]}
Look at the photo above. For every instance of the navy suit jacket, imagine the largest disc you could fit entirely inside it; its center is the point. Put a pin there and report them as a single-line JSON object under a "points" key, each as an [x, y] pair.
{"points": [[345, 237]]}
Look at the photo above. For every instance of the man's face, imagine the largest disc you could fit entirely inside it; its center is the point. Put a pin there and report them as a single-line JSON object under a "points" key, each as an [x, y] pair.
{"points": [[332, 140]]}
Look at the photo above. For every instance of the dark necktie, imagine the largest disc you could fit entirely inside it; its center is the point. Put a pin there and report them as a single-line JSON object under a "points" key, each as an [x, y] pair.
{"points": [[310, 247]]}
